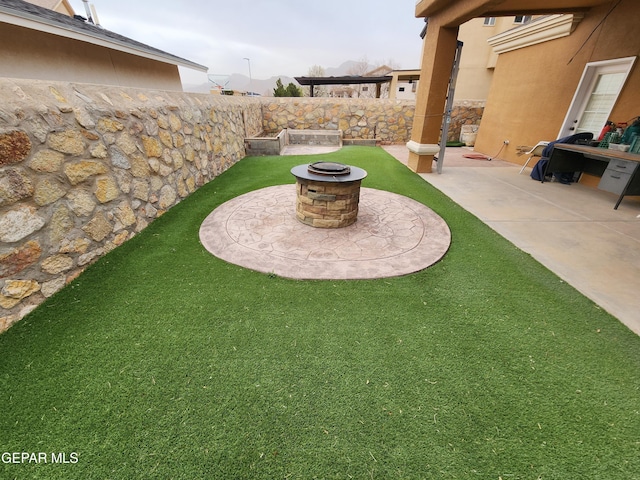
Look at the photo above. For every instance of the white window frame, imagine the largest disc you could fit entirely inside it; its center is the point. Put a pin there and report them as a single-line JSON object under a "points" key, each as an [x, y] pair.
{"points": [[523, 19]]}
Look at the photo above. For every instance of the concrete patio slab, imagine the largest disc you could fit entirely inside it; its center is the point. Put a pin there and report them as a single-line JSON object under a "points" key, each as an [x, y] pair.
{"points": [[571, 229]]}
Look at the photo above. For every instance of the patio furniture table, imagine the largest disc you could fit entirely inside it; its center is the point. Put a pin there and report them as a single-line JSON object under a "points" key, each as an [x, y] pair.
{"points": [[618, 171]]}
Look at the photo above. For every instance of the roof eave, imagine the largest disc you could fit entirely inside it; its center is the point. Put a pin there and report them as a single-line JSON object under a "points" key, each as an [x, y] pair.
{"points": [[42, 25]]}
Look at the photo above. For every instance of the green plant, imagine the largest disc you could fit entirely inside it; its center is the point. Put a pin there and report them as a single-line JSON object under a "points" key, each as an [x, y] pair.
{"points": [[291, 90]]}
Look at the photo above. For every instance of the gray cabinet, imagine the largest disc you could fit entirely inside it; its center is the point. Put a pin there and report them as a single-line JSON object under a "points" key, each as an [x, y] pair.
{"points": [[617, 175]]}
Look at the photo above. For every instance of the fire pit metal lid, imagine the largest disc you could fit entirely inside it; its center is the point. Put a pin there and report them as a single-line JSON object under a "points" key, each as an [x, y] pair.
{"points": [[352, 175], [329, 168]]}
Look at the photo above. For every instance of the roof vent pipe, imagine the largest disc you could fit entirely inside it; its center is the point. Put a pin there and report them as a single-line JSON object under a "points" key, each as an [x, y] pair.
{"points": [[87, 10], [94, 15]]}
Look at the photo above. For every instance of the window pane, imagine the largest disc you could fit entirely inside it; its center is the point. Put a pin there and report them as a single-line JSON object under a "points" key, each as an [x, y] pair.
{"points": [[600, 102], [522, 18]]}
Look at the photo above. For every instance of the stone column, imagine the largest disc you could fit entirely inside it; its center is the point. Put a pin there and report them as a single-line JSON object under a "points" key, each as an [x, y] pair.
{"points": [[437, 61]]}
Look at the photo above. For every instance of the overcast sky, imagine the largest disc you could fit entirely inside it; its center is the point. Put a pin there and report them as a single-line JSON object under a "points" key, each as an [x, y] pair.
{"points": [[280, 37]]}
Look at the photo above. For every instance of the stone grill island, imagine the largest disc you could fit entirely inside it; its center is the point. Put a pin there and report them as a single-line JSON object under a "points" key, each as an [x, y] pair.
{"points": [[328, 194]]}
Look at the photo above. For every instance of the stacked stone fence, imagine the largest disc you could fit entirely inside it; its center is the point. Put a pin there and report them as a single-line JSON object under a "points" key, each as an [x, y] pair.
{"points": [[386, 121], [83, 167], [464, 113], [383, 120]]}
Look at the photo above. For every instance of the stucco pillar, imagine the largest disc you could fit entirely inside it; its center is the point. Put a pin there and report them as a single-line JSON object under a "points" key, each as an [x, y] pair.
{"points": [[438, 54]]}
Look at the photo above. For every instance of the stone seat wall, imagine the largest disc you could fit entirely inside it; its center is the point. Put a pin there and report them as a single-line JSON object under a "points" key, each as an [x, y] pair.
{"points": [[265, 145], [331, 138]]}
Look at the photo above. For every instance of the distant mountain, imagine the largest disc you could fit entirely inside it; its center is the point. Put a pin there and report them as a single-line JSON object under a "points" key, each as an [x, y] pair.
{"points": [[344, 69], [265, 87], [239, 82], [262, 87], [200, 88]]}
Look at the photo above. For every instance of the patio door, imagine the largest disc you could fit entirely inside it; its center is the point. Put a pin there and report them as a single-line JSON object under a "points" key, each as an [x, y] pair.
{"points": [[596, 95]]}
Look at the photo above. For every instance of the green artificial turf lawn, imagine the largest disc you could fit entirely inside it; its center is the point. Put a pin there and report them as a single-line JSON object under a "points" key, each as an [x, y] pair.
{"points": [[162, 361]]}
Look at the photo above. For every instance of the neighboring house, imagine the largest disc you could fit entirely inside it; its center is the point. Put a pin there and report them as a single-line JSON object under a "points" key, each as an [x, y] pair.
{"points": [[37, 42], [379, 89], [545, 72], [404, 84], [60, 6]]}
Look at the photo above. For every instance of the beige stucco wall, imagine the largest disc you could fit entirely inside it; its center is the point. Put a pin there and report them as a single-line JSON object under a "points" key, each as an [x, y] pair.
{"points": [[62, 59], [405, 91], [474, 76], [533, 87], [478, 59]]}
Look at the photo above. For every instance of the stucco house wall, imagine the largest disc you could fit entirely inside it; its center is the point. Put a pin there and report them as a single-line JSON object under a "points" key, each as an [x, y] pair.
{"points": [[478, 58], [533, 87], [474, 76], [40, 43], [22, 56]]}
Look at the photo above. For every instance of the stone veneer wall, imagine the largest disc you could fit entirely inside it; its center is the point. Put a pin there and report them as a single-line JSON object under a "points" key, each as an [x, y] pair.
{"points": [[387, 121], [464, 112], [84, 167]]}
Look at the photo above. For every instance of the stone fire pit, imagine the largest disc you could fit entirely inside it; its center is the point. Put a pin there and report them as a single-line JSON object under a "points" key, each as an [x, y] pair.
{"points": [[328, 194]]}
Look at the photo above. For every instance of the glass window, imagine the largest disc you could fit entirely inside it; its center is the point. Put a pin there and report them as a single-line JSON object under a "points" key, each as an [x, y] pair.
{"points": [[600, 102], [522, 19], [490, 21]]}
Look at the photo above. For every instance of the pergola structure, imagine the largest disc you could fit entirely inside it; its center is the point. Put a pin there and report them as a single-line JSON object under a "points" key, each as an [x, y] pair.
{"points": [[345, 80], [440, 41]]}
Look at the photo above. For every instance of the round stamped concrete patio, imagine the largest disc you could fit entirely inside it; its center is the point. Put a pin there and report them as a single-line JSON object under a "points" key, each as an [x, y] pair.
{"points": [[394, 235]]}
